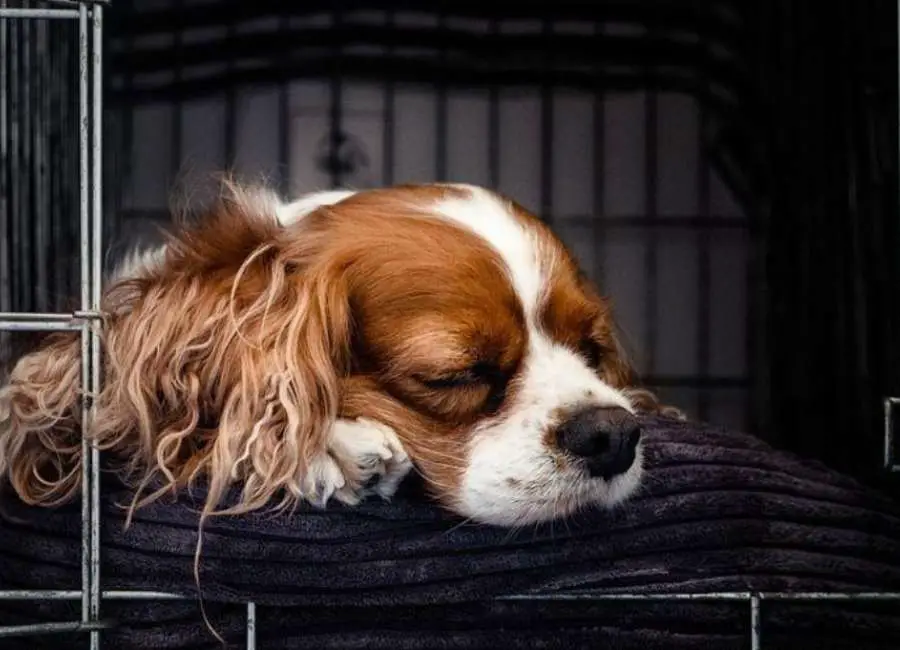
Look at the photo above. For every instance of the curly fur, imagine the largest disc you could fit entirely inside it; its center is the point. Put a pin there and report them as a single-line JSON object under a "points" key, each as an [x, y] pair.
{"points": [[196, 382]]}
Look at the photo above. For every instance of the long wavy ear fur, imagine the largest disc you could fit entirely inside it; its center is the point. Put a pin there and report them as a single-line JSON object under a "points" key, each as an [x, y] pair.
{"points": [[40, 441], [222, 362]]}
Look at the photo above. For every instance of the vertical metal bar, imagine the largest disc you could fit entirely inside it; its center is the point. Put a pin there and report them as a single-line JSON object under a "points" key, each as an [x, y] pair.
{"points": [[85, 262], [27, 205], [440, 117], [388, 144], [285, 176], [121, 173], [5, 262], [889, 404], [70, 155], [703, 260], [335, 128], [251, 626], [650, 254], [177, 107], [41, 127], [50, 128], [55, 161], [599, 177], [230, 100], [30, 215], [546, 135], [96, 290], [15, 196], [494, 120], [25, 164], [755, 623]]}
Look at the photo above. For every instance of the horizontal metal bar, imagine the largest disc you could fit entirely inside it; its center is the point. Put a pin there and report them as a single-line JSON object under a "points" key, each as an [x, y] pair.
{"points": [[76, 594], [741, 596], [37, 322], [75, 3], [37, 316], [39, 13], [832, 596], [721, 595], [40, 326], [52, 628], [124, 594]]}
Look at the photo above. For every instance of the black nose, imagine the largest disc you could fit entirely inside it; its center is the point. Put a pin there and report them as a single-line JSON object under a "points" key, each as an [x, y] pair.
{"points": [[606, 438]]}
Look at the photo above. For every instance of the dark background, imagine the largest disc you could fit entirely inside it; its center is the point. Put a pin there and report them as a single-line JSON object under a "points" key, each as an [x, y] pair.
{"points": [[726, 171]]}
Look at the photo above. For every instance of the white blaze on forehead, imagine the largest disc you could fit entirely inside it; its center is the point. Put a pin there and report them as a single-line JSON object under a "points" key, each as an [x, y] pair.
{"points": [[512, 477], [488, 216], [288, 213]]}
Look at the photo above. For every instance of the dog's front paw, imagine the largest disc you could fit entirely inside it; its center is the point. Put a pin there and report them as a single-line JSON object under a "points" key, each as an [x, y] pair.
{"points": [[386, 463], [364, 457]]}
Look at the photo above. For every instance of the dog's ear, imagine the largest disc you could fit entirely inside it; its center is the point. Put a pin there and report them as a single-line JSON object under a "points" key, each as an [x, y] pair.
{"points": [[40, 422], [229, 371]]}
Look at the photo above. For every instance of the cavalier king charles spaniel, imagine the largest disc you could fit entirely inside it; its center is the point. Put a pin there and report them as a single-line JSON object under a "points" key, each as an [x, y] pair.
{"points": [[320, 350]]}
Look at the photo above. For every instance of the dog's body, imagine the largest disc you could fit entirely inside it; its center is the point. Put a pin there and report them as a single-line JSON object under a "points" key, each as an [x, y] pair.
{"points": [[319, 349]]}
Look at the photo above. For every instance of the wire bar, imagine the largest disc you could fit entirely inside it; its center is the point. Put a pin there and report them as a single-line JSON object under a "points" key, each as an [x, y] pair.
{"points": [[251, 626], [754, 599], [96, 289], [93, 627], [755, 639], [68, 14], [712, 596], [889, 404], [84, 263], [830, 596], [52, 318], [76, 594], [5, 252], [39, 326], [47, 322], [833, 596]]}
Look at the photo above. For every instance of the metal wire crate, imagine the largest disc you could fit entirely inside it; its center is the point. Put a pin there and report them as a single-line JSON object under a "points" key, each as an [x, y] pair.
{"points": [[87, 15]]}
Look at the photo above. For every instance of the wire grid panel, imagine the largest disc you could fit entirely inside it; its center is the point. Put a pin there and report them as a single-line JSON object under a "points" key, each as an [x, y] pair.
{"points": [[624, 171], [89, 20], [88, 16]]}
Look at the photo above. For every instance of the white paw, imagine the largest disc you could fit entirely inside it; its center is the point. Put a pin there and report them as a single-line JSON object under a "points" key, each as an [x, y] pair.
{"points": [[323, 478], [364, 457]]}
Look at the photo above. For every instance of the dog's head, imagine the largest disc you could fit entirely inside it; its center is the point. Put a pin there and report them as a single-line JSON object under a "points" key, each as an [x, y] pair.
{"points": [[447, 312]]}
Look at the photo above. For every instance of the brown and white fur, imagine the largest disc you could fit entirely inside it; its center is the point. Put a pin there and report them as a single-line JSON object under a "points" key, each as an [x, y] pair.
{"points": [[304, 350]]}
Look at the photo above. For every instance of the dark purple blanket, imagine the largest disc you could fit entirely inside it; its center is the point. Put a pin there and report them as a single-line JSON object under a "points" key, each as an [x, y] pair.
{"points": [[720, 512]]}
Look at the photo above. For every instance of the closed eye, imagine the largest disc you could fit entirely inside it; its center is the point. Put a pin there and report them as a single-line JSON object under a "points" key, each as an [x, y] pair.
{"points": [[479, 373], [477, 377], [449, 381]]}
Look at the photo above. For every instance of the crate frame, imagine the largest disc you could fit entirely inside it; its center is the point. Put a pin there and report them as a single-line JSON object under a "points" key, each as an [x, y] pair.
{"points": [[88, 14]]}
